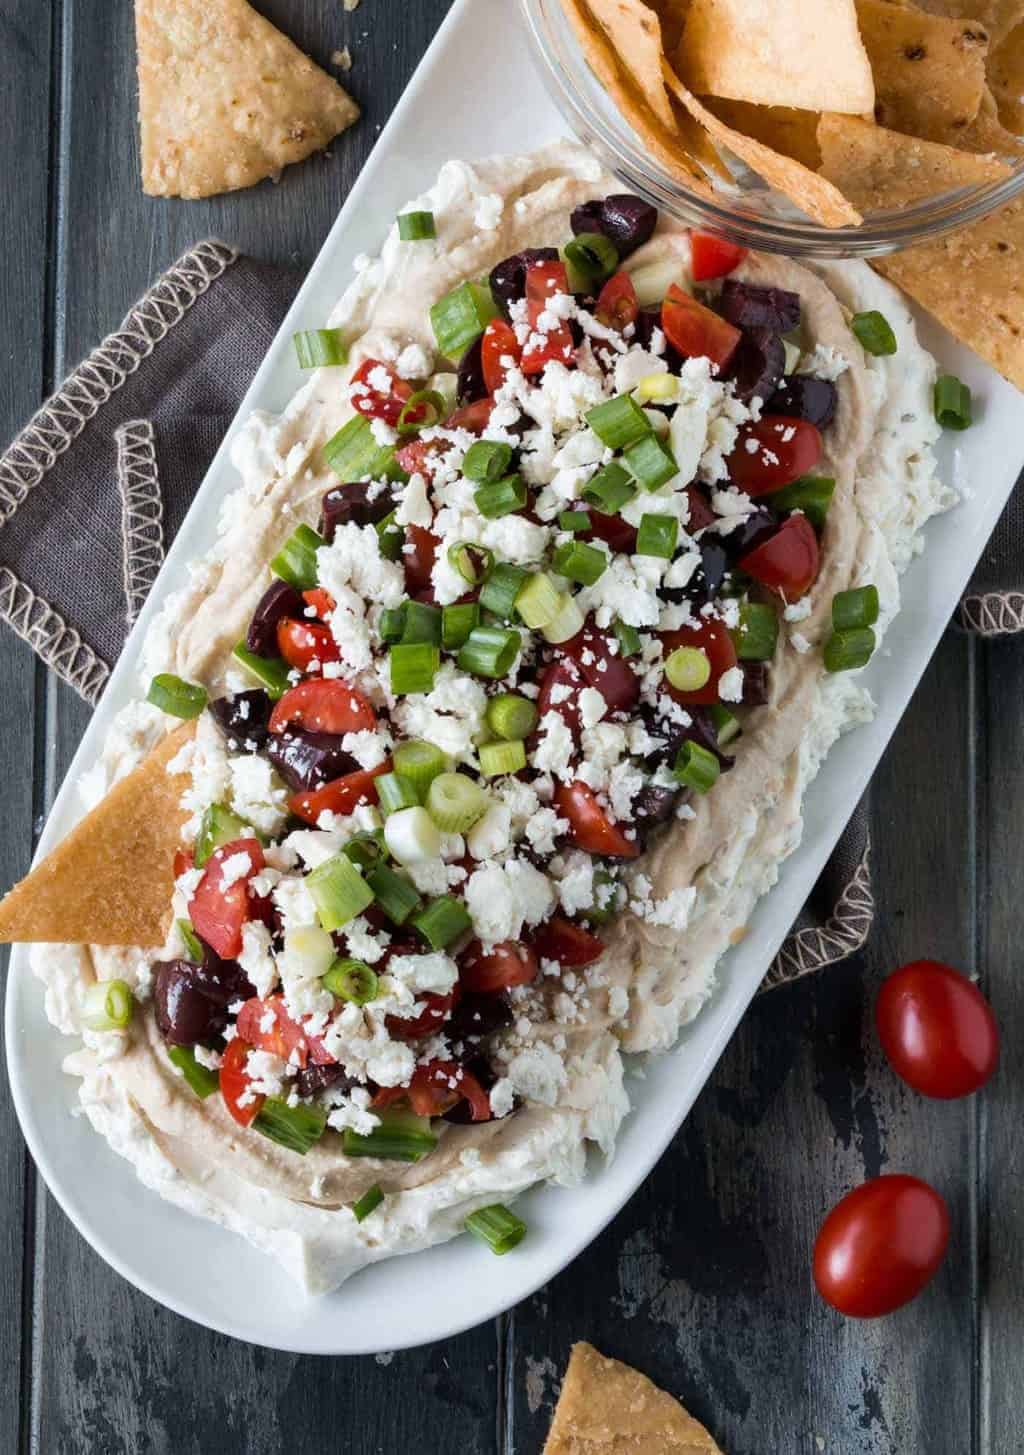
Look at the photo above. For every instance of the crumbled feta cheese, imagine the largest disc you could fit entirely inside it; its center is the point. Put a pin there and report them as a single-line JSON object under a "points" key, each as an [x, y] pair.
{"points": [[501, 898], [592, 706], [730, 685]]}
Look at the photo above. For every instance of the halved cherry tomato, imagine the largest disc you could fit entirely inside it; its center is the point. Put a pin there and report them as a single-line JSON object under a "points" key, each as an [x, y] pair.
{"points": [[419, 561], [302, 643], [614, 531], [560, 690], [695, 331], [543, 282], [377, 402], [937, 1030], [473, 417], [713, 257], [419, 456], [784, 449], [234, 1083], [499, 342], [435, 1088], [436, 1010], [503, 965], [589, 826], [617, 303], [603, 668], [285, 1037], [788, 561], [324, 705], [701, 513], [218, 910], [341, 795], [878, 1248], [322, 602], [712, 637], [570, 944]]}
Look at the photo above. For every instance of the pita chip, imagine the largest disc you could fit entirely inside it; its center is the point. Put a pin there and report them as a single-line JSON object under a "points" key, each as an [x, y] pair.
{"points": [[110, 881], [929, 70], [987, 133], [607, 1408], [1006, 78], [634, 34], [672, 15], [997, 16], [784, 129], [804, 53], [226, 100], [973, 280]]}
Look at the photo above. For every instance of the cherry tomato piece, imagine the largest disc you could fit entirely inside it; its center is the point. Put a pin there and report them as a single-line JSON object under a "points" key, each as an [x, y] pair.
{"points": [[937, 1030], [617, 304], [788, 561], [419, 456], [435, 1088], [301, 643], [590, 827], [613, 530], [218, 910], [503, 965], [710, 636], [880, 1245], [377, 392], [560, 690], [603, 667], [784, 449], [436, 1010], [473, 417], [341, 795], [568, 943], [419, 562], [324, 705], [713, 257], [701, 513], [695, 331], [543, 282], [498, 343], [234, 1083]]}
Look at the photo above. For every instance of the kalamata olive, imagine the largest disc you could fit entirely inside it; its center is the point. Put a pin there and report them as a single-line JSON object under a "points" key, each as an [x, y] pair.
{"points": [[221, 981], [706, 582], [278, 601], [627, 220], [242, 718], [508, 279], [761, 523], [480, 1067], [347, 504], [756, 366], [471, 385], [747, 306], [307, 760], [476, 1016], [755, 683], [184, 1014], [654, 804], [314, 1078], [649, 319], [801, 396], [700, 729]]}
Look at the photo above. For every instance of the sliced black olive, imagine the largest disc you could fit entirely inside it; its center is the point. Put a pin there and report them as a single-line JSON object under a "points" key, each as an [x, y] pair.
{"points": [[242, 718], [801, 396], [350, 504], [508, 279], [307, 760], [627, 220], [748, 306]]}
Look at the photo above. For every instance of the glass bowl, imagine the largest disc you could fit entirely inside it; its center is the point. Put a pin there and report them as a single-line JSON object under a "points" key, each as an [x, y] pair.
{"points": [[748, 210]]}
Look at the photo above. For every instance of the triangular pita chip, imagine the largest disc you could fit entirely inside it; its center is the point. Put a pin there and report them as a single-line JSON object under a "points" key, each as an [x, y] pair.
{"points": [[110, 881], [607, 1408], [805, 53], [973, 280], [997, 16], [929, 71], [986, 132], [634, 34], [225, 99], [784, 129], [1006, 77], [672, 14]]}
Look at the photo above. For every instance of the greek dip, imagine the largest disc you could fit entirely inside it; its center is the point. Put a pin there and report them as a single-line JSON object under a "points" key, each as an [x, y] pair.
{"points": [[531, 620]]}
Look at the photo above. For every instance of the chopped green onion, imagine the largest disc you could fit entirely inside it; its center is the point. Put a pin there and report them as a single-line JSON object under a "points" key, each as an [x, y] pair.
{"points": [[391, 537], [811, 493], [395, 895], [319, 348], [688, 669], [201, 1079], [566, 624], [354, 454], [727, 724], [500, 1229], [465, 555], [657, 536], [619, 422], [401, 1137], [845, 651], [580, 562], [651, 463], [309, 950], [392, 623], [413, 667], [422, 623], [295, 562], [296, 1127], [489, 651], [107, 1006], [511, 716], [351, 980], [365, 849], [410, 420], [610, 489], [487, 461], [758, 632], [372, 1197], [952, 402], [658, 389], [497, 759], [538, 601], [416, 226], [395, 793], [338, 891], [855, 608], [419, 763], [193, 944], [593, 256], [628, 638], [501, 589], [175, 696], [457, 622], [503, 497], [874, 332], [573, 521], [218, 826], [460, 317], [412, 836], [455, 802], [271, 671], [442, 921], [695, 767]]}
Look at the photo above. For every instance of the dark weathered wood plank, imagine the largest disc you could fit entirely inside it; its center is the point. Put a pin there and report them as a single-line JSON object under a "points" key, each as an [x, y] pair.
{"points": [[704, 1279]]}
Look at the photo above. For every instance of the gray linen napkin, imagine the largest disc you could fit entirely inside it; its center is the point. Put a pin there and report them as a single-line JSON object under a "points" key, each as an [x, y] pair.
{"points": [[101, 478]]}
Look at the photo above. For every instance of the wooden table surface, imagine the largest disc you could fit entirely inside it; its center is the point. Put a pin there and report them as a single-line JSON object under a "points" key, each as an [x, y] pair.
{"points": [[703, 1281]]}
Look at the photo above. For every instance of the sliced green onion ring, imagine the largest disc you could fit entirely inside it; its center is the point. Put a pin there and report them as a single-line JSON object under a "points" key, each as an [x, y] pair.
{"points": [[619, 422], [457, 622], [657, 536], [537, 600], [628, 638], [401, 1137], [436, 410], [874, 332], [580, 562], [175, 696], [351, 980], [416, 226], [296, 1127], [368, 1203], [413, 667], [845, 651], [455, 802], [489, 651], [486, 461], [567, 622], [419, 763], [201, 1079], [501, 497], [320, 348], [191, 941], [855, 608], [811, 493], [392, 623], [498, 759], [757, 635], [695, 767], [501, 588], [474, 563], [107, 1006], [338, 891], [650, 462], [593, 256], [395, 895], [610, 489], [574, 521], [500, 1229], [218, 826], [952, 402], [688, 669], [442, 921], [460, 317], [394, 793], [272, 672], [727, 724], [511, 717], [422, 623]]}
